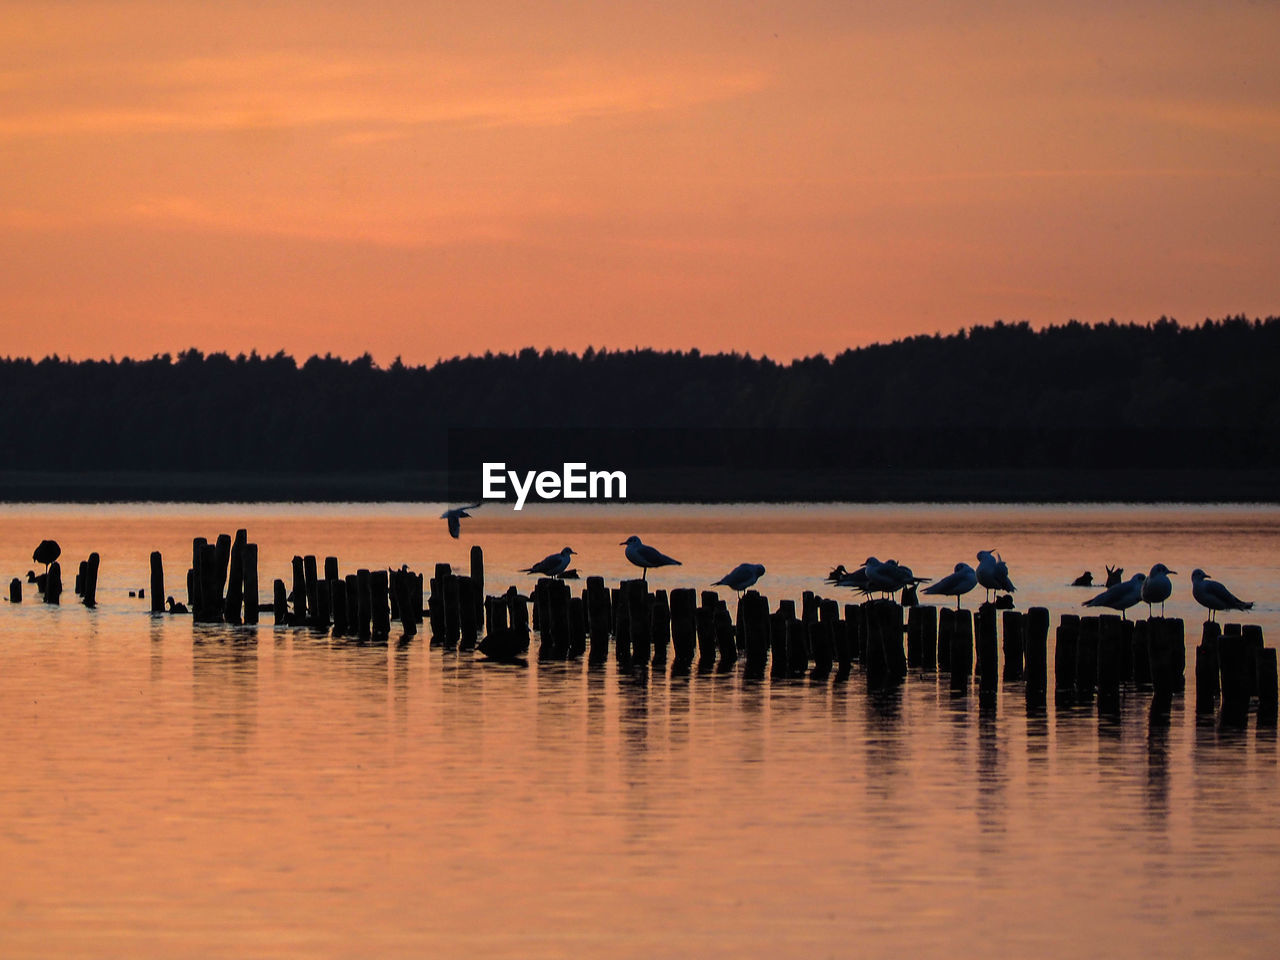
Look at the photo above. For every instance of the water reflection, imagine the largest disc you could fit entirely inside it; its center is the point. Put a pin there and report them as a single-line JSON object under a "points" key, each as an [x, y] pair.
{"points": [[224, 689]]}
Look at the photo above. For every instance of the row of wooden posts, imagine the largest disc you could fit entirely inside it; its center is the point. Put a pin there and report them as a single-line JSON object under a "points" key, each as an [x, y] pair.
{"points": [[49, 584]]}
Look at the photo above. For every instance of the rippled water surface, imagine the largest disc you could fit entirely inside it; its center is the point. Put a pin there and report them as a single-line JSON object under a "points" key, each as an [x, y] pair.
{"points": [[171, 790]]}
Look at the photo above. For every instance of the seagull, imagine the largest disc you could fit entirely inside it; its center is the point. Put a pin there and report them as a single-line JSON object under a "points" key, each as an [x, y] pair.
{"points": [[1213, 595], [1122, 596], [552, 565], [455, 517], [645, 556], [889, 576], [1113, 575], [741, 577], [835, 575], [993, 573], [1156, 588], [857, 579], [1084, 580], [958, 582], [175, 607]]}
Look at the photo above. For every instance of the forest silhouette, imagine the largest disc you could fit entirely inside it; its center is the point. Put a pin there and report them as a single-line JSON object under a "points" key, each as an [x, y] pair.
{"points": [[1103, 398]]}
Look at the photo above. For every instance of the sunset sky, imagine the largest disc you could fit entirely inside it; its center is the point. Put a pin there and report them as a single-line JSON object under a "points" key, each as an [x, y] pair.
{"points": [[428, 179]]}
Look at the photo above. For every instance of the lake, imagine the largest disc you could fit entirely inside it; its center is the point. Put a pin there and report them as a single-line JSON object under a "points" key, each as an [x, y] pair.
{"points": [[181, 790]]}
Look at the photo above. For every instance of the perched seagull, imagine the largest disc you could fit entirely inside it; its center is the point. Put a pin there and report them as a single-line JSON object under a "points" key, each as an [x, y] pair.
{"points": [[889, 576], [552, 565], [835, 575], [1122, 596], [955, 584], [993, 573], [645, 556], [1084, 580], [1213, 595], [455, 517], [1156, 588], [857, 579], [741, 577]]}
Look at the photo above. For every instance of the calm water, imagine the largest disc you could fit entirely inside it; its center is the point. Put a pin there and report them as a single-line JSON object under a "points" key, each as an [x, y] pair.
{"points": [[177, 791]]}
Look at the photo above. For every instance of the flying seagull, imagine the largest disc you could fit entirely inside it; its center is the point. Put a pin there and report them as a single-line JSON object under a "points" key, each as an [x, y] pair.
{"points": [[455, 517], [645, 556]]}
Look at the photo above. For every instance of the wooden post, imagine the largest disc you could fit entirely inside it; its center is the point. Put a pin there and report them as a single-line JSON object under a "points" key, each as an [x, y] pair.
{"points": [[352, 582], [726, 643], [1237, 668], [1087, 658], [1253, 644], [477, 576], [599, 616], [754, 610], [875, 658], [338, 600], [660, 626], [1109, 657], [1160, 641], [779, 623], [1207, 668], [895, 651], [577, 626], [249, 582], [855, 615], [1036, 649], [222, 557], [380, 610], [1176, 631], [53, 584], [211, 579], [235, 579], [1065, 655], [684, 606], [194, 579], [820, 645], [946, 634], [844, 650], [637, 592], [1268, 691], [91, 580], [704, 622], [1142, 654], [621, 627], [466, 613], [157, 582], [452, 612], [1013, 644], [961, 651], [915, 621], [311, 577], [280, 602], [364, 605], [78, 587], [984, 626], [15, 591], [299, 617]]}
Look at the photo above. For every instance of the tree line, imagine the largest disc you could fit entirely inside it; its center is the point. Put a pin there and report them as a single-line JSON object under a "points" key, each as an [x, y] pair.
{"points": [[1074, 395]]}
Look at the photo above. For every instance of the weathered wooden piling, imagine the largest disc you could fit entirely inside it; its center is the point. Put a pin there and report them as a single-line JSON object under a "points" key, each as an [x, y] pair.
{"points": [[518, 612], [726, 643], [820, 646], [1065, 654], [636, 593], [311, 578], [1238, 671], [338, 601], [684, 607], [380, 610], [856, 617], [452, 612], [1253, 644], [1012, 644], [477, 576], [1109, 657], [1176, 631], [779, 622], [90, 593], [249, 582], [984, 629], [211, 579], [15, 591], [621, 628], [599, 617], [754, 610], [946, 634], [1268, 690], [1162, 637], [704, 622], [364, 606], [577, 627], [232, 602], [280, 597], [157, 582], [299, 617], [53, 584], [961, 651], [1035, 635], [659, 626], [1087, 658], [402, 591], [1142, 654], [1207, 668], [78, 586], [352, 583], [467, 613]]}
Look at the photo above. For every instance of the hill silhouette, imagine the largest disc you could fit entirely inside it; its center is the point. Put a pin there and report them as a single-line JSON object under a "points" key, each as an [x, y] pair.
{"points": [[1107, 401]]}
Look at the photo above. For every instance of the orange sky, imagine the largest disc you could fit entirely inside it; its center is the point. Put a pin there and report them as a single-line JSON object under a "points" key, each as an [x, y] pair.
{"points": [[427, 179]]}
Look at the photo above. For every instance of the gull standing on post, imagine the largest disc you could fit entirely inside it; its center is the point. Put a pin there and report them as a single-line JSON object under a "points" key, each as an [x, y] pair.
{"points": [[645, 556], [1122, 596], [960, 581], [1214, 595], [455, 516], [741, 577], [1157, 587], [552, 565]]}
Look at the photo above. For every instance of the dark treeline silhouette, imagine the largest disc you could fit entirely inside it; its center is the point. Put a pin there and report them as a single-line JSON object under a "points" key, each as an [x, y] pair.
{"points": [[1105, 397]]}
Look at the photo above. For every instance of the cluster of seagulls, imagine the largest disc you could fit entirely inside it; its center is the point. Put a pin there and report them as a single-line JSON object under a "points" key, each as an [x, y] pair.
{"points": [[1156, 587], [888, 577]]}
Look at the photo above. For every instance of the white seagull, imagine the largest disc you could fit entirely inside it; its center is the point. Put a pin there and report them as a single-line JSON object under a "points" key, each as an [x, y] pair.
{"points": [[455, 517], [1122, 596], [552, 565], [993, 573], [1157, 587], [741, 577], [955, 584], [645, 556], [1213, 595]]}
